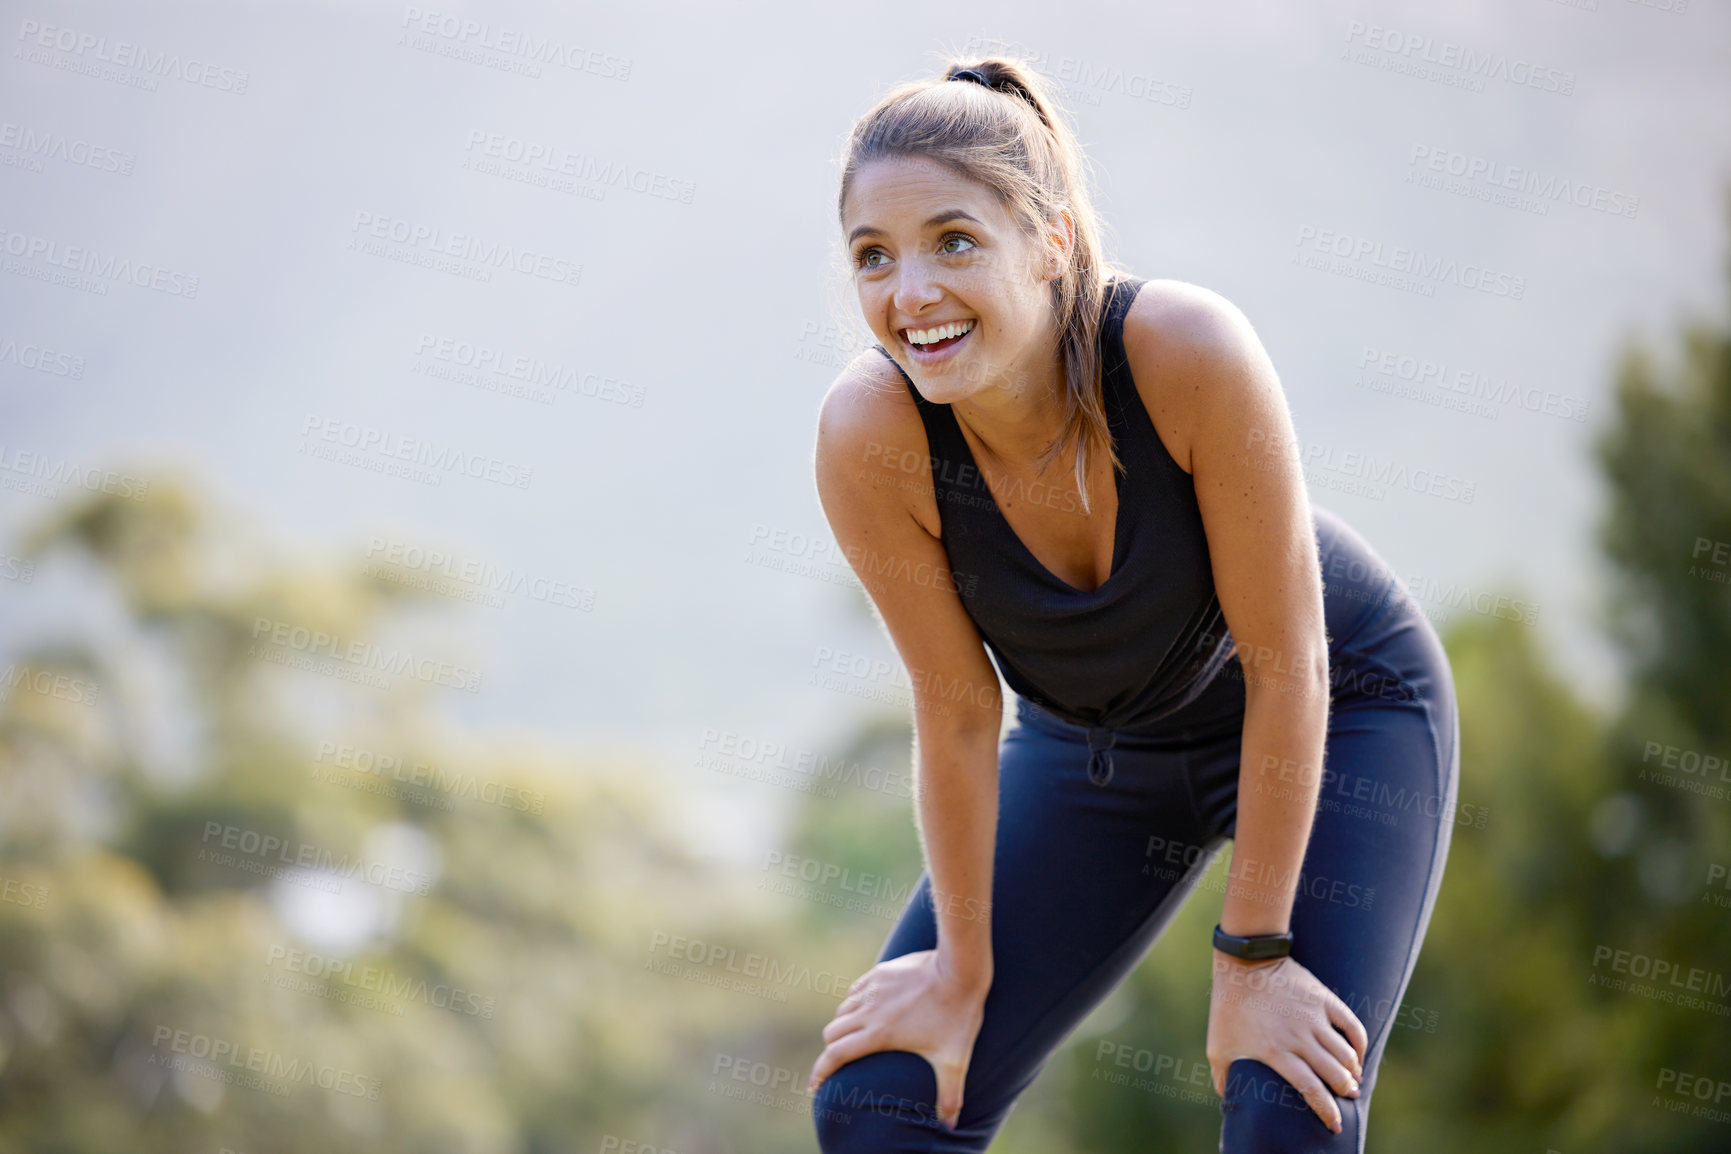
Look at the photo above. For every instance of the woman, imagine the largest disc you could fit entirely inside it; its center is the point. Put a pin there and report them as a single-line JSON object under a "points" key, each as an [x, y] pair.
{"points": [[1111, 463]]}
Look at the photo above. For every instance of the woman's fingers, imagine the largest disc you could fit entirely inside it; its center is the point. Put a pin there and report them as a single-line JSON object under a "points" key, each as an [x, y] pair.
{"points": [[952, 1076], [1330, 1069], [1341, 1015], [1336, 1044], [839, 1053], [1303, 1079], [843, 1024]]}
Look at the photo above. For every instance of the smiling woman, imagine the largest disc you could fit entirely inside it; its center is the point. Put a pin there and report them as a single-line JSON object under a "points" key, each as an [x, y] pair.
{"points": [[1113, 458]]}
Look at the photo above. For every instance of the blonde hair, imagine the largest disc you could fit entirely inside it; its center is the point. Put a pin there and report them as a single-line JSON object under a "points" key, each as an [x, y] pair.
{"points": [[1011, 140]]}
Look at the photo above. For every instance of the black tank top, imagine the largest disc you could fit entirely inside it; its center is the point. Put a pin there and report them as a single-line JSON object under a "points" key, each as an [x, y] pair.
{"points": [[1143, 645]]}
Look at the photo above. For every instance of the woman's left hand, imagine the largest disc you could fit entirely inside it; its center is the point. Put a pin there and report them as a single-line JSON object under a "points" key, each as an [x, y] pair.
{"points": [[1281, 1015]]}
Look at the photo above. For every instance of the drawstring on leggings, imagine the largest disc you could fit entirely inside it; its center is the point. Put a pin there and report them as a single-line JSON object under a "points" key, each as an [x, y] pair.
{"points": [[1100, 742]]}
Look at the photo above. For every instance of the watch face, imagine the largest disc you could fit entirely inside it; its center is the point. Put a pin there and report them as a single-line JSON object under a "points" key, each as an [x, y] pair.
{"points": [[1253, 949]]}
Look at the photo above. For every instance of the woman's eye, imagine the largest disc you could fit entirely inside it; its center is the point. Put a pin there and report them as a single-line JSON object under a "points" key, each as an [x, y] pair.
{"points": [[955, 236], [863, 260]]}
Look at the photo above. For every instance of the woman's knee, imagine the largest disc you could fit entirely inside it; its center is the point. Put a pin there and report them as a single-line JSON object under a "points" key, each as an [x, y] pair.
{"points": [[877, 1104], [1264, 1114]]}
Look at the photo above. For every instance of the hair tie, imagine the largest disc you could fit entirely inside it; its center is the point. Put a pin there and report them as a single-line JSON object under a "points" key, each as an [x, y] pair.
{"points": [[1011, 87]]}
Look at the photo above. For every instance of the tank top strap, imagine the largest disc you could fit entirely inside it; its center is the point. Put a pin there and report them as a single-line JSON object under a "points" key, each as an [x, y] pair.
{"points": [[1117, 388]]}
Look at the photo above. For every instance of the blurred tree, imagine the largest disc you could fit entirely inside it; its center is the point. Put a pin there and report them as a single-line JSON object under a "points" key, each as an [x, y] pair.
{"points": [[219, 865]]}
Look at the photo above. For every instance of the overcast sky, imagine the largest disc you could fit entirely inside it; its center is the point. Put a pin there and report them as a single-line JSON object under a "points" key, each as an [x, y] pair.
{"points": [[341, 179]]}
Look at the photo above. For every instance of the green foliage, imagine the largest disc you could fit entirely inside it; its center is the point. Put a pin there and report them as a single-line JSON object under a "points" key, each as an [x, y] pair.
{"points": [[506, 1008]]}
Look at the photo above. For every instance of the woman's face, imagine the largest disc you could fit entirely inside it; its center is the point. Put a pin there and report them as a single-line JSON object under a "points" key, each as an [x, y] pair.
{"points": [[935, 254]]}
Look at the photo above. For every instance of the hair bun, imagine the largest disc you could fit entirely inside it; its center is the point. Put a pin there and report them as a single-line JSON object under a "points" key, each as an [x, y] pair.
{"points": [[999, 77]]}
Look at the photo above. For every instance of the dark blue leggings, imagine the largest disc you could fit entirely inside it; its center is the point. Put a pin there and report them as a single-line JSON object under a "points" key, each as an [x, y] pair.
{"points": [[1087, 875]]}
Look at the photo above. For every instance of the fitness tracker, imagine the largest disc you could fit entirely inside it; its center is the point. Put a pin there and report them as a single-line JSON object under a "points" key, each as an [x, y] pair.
{"points": [[1256, 948]]}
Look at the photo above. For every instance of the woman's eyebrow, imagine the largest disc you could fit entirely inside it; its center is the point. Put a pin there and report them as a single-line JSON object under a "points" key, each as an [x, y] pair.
{"points": [[943, 217]]}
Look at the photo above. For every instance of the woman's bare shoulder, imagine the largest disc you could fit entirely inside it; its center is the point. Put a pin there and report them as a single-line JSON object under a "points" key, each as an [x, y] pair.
{"points": [[871, 442], [1184, 343]]}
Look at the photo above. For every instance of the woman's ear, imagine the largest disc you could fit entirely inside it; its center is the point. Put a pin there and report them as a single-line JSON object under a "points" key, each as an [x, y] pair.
{"points": [[1060, 242]]}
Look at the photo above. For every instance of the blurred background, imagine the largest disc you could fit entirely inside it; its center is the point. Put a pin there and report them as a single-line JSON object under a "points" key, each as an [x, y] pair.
{"points": [[434, 715]]}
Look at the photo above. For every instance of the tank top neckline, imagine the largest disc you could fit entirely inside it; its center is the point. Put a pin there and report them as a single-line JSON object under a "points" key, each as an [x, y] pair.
{"points": [[1108, 381]]}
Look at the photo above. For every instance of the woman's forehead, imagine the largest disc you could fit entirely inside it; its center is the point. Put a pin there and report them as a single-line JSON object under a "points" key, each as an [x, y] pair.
{"points": [[905, 184]]}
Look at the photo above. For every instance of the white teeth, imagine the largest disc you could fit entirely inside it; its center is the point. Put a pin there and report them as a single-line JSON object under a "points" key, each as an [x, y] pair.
{"points": [[942, 332]]}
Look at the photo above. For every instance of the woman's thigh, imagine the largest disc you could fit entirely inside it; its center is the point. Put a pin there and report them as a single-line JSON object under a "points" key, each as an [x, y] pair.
{"points": [[1084, 880]]}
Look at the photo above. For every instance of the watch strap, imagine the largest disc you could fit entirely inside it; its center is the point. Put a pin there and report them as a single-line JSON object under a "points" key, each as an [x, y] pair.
{"points": [[1255, 947]]}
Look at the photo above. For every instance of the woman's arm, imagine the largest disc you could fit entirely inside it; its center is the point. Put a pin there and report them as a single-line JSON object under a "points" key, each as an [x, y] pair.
{"points": [[1220, 407], [872, 471], [1217, 402]]}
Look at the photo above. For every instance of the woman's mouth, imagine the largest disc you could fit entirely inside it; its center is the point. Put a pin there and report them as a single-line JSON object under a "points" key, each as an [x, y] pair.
{"points": [[935, 341]]}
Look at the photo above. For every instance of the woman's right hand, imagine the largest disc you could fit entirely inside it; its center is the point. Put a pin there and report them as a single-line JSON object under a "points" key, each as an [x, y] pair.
{"points": [[915, 1002]]}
